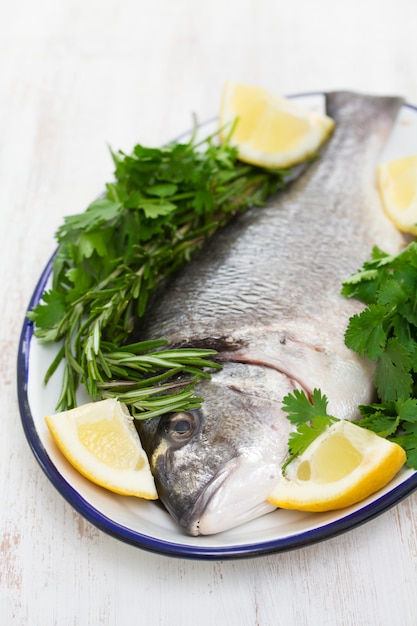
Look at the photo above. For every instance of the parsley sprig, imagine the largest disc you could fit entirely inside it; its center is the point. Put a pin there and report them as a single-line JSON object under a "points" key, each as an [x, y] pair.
{"points": [[161, 207], [310, 417], [386, 332]]}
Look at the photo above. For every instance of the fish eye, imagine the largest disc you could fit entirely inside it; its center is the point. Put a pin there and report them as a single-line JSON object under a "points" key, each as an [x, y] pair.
{"points": [[181, 426]]}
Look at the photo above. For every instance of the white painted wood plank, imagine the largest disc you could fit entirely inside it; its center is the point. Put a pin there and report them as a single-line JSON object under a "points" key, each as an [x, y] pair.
{"points": [[79, 74]]}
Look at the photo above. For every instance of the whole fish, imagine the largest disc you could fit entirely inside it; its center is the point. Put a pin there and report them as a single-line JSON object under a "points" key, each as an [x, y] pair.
{"points": [[265, 293]]}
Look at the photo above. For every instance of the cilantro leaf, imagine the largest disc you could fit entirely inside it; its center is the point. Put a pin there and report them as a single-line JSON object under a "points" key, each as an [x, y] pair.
{"points": [[366, 333], [90, 242], [154, 209], [306, 433], [392, 293], [162, 190], [393, 377], [48, 314], [300, 408], [99, 212], [382, 419], [407, 410], [410, 446], [310, 418]]}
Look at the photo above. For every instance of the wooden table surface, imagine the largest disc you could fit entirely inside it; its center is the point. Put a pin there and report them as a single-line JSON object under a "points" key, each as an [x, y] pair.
{"points": [[76, 76]]}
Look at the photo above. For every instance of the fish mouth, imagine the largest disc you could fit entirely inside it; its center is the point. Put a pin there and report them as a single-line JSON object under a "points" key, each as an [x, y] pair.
{"points": [[191, 519], [215, 512]]}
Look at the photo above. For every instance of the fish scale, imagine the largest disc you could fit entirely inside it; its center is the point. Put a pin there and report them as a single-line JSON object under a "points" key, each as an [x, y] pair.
{"points": [[265, 291]]}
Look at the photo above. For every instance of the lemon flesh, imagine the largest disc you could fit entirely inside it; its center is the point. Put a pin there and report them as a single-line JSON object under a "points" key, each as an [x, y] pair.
{"points": [[99, 439], [397, 183], [334, 459], [270, 131], [343, 466]]}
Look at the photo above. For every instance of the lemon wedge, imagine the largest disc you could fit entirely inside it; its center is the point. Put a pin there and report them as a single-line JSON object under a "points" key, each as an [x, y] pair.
{"points": [[343, 466], [271, 131], [397, 183], [100, 440]]}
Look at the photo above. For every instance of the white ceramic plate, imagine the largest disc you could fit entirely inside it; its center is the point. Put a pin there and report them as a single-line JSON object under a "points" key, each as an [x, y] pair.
{"points": [[146, 524]]}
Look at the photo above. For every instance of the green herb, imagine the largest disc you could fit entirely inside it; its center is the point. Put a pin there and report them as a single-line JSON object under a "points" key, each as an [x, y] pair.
{"points": [[163, 204], [386, 332], [310, 417]]}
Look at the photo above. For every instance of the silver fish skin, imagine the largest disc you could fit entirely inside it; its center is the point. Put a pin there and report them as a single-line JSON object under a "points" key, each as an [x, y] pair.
{"points": [[265, 292]]}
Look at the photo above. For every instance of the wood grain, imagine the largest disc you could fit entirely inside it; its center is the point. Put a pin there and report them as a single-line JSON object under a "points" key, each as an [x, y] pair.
{"points": [[76, 76]]}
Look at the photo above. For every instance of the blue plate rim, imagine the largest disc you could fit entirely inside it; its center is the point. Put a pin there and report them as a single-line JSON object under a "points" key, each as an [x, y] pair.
{"points": [[155, 545]]}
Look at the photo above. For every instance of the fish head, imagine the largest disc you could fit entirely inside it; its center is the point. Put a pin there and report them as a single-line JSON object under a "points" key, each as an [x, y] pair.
{"points": [[214, 466]]}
